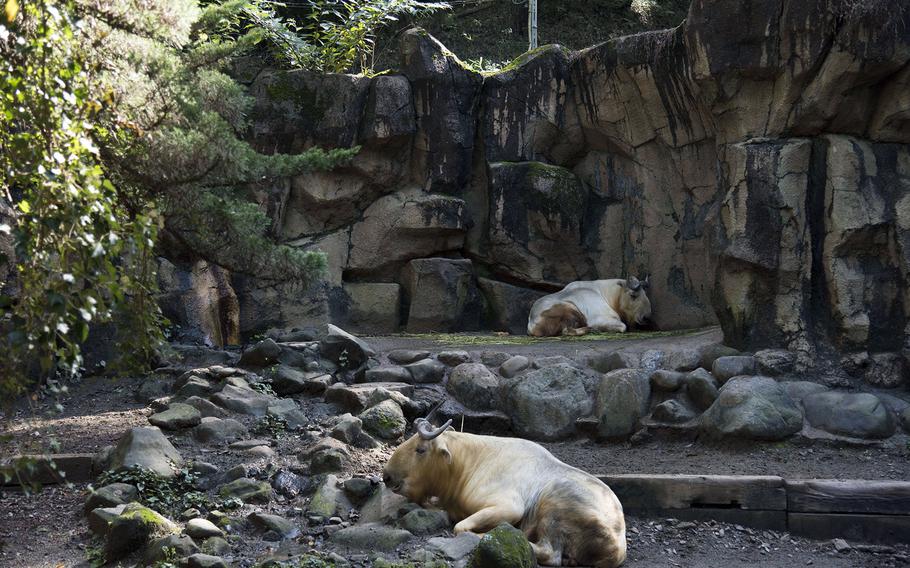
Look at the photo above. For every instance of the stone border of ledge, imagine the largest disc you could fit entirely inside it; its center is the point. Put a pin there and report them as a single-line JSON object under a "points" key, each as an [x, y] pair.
{"points": [[859, 510]]}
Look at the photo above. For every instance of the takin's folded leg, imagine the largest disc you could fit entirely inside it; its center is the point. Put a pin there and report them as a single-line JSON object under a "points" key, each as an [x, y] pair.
{"points": [[563, 318], [489, 518], [610, 326], [545, 554]]}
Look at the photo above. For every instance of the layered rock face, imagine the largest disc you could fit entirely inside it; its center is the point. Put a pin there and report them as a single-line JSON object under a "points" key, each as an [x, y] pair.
{"points": [[754, 161]]}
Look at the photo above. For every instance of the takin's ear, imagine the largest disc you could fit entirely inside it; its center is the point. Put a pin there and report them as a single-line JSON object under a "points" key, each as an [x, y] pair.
{"points": [[632, 283], [646, 283], [443, 450]]}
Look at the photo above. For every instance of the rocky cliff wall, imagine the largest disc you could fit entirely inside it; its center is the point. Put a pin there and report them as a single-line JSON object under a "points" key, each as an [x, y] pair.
{"points": [[754, 161]]}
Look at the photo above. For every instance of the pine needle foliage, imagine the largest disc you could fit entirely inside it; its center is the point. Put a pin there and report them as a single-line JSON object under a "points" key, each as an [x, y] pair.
{"points": [[119, 125]]}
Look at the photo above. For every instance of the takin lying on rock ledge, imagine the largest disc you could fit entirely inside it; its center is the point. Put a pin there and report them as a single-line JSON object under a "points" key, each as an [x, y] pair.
{"points": [[569, 516], [592, 305]]}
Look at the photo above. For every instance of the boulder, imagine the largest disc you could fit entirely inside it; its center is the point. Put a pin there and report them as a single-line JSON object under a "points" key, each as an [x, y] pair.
{"points": [[475, 386], [344, 349], [753, 407], [330, 455], [287, 380], [194, 386], [712, 352], [426, 371], [725, 368], [905, 419], [99, 519], [494, 358], [202, 528], [244, 400], [356, 398], [110, 496], [513, 366], [349, 429], [200, 560], [622, 400], [206, 408], [858, 415], [424, 521], [329, 500], [453, 358], [405, 356], [147, 448], [262, 354], [387, 374], [172, 545], [384, 420], [545, 403], [701, 386], [216, 430], [682, 360], [456, 548], [151, 389], [288, 410], [442, 295], [290, 484], [606, 362], [667, 380], [247, 490], [134, 528], [672, 411], [283, 528], [176, 417], [507, 306], [798, 390], [384, 506], [216, 546], [503, 547], [371, 537]]}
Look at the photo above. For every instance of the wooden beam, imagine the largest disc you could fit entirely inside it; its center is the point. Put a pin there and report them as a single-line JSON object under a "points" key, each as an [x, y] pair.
{"points": [[850, 496]]}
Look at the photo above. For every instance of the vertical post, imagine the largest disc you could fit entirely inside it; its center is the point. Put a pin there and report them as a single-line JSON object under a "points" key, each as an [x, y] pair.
{"points": [[532, 24]]}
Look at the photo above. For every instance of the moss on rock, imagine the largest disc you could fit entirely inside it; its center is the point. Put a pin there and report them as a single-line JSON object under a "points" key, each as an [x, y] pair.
{"points": [[503, 547]]}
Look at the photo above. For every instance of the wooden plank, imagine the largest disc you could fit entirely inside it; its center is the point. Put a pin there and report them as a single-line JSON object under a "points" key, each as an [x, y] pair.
{"points": [[763, 520], [687, 491], [886, 529], [851, 496], [74, 467]]}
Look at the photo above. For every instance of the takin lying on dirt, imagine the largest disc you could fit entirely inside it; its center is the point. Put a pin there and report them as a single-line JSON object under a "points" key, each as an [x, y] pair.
{"points": [[592, 305], [569, 516]]}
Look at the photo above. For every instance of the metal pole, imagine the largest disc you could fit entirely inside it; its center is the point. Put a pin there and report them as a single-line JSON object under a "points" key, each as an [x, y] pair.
{"points": [[532, 24]]}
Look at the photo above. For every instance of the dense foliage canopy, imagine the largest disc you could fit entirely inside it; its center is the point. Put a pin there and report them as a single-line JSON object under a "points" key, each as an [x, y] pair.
{"points": [[117, 123]]}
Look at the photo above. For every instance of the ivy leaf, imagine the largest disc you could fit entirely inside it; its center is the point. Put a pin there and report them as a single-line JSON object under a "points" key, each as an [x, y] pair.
{"points": [[25, 207]]}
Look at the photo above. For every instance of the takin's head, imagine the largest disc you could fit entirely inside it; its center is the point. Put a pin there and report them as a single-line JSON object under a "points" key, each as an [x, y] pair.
{"points": [[421, 464], [634, 305]]}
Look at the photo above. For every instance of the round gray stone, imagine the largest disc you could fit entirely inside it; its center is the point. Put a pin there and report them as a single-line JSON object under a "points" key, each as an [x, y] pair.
{"points": [[859, 415]]}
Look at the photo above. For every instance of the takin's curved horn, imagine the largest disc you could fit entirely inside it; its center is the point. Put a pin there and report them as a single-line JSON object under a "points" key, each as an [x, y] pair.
{"points": [[434, 409], [426, 430]]}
